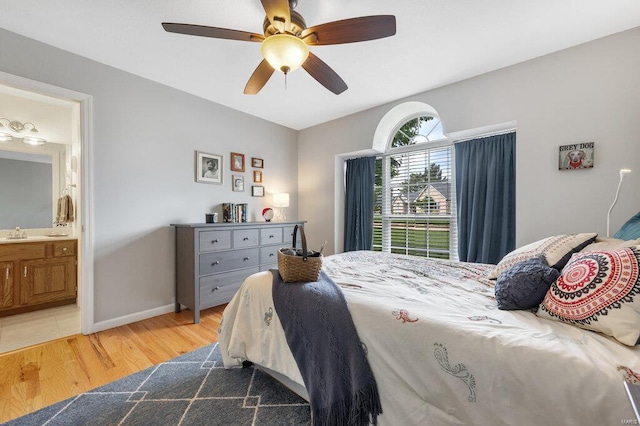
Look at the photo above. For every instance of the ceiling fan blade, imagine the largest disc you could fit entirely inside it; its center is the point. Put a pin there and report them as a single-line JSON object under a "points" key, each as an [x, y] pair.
{"points": [[259, 78], [278, 13], [324, 74], [350, 30], [204, 31]]}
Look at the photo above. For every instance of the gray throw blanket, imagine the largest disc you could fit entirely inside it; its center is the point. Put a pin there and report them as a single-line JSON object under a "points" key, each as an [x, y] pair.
{"points": [[325, 344]]}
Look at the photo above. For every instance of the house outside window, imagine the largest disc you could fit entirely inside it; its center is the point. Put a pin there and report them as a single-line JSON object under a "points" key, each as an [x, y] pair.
{"points": [[414, 205]]}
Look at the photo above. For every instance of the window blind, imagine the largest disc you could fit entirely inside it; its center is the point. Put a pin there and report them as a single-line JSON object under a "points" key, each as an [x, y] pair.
{"points": [[415, 211]]}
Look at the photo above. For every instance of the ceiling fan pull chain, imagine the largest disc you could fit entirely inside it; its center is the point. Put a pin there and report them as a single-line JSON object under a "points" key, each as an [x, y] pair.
{"points": [[285, 81]]}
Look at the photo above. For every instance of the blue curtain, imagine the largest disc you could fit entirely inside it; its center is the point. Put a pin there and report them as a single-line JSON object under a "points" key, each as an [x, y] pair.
{"points": [[358, 215], [486, 197]]}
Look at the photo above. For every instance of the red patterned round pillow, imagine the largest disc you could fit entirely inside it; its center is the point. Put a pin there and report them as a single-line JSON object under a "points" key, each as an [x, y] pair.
{"points": [[599, 291]]}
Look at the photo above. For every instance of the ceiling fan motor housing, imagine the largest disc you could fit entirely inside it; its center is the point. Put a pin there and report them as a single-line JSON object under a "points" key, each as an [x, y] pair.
{"points": [[297, 25]]}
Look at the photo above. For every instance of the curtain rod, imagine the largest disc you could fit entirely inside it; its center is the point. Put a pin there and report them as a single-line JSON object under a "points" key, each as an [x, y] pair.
{"points": [[482, 132]]}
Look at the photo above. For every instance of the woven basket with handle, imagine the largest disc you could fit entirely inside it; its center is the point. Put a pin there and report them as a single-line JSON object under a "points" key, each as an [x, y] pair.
{"points": [[299, 265]]}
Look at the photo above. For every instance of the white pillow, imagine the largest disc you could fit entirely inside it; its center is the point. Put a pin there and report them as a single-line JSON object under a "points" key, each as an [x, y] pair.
{"points": [[557, 250]]}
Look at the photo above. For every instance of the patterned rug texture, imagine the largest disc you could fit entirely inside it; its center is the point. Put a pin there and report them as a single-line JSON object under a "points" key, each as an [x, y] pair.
{"points": [[192, 389]]}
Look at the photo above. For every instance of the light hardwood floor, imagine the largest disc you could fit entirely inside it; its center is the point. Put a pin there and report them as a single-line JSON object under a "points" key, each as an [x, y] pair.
{"points": [[41, 375]]}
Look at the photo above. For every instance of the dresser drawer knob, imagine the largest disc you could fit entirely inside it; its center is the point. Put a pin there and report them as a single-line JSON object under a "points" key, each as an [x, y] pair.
{"points": [[245, 239], [245, 259], [271, 236], [217, 262], [214, 241], [215, 288], [270, 254], [64, 249]]}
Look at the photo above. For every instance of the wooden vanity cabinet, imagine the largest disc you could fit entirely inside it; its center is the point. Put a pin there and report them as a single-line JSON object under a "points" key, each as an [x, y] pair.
{"points": [[6, 284], [37, 275]]}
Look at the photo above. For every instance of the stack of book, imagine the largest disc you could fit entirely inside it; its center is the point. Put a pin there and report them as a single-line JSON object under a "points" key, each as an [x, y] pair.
{"points": [[233, 213]]}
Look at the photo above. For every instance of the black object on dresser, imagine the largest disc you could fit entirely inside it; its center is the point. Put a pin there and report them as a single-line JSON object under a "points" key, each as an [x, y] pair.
{"points": [[214, 259]]}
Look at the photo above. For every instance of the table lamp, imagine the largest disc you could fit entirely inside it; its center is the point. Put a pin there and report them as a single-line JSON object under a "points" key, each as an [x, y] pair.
{"points": [[281, 201]]}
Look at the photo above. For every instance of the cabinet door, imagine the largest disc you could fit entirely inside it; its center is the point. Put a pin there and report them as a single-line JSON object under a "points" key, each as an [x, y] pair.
{"points": [[48, 280], [6, 284]]}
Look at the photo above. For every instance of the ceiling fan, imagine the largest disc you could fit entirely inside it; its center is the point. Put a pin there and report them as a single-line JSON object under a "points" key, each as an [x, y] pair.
{"points": [[286, 39]]}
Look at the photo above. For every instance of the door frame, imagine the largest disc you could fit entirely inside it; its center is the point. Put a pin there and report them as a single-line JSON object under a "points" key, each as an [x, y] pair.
{"points": [[83, 118]]}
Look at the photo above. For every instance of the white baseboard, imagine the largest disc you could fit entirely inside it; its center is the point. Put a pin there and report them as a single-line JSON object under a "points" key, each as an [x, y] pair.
{"points": [[128, 319]]}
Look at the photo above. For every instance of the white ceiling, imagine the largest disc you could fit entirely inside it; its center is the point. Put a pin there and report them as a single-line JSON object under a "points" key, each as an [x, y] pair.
{"points": [[437, 42]]}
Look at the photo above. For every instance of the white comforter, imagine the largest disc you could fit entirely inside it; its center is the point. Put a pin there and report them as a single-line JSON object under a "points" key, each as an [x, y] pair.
{"points": [[441, 351]]}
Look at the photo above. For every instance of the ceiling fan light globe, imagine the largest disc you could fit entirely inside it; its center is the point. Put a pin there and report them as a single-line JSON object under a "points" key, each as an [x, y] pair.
{"points": [[284, 52]]}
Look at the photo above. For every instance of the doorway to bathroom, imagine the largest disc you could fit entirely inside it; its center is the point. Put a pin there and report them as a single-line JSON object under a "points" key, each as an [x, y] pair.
{"points": [[62, 117]]}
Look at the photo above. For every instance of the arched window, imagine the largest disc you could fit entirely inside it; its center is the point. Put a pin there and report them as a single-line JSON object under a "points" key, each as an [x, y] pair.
{"points": [[414, 199]]}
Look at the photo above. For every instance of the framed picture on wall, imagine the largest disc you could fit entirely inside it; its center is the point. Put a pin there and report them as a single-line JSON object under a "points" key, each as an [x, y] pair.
{"points": [[257, 176], [238, 183], [257, 163], [208, 167], [237, 162], [257, 191], [576, 156]]}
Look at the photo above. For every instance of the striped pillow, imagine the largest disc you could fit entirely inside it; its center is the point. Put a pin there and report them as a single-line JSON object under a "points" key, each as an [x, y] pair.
{"points": [[557, 251]]}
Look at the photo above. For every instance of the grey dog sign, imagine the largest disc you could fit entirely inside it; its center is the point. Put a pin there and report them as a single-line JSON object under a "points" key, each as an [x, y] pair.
{"points": [[576, 156]]}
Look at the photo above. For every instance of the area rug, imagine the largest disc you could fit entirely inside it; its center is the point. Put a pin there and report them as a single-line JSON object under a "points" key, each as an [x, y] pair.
{"points": [[192, 389]]}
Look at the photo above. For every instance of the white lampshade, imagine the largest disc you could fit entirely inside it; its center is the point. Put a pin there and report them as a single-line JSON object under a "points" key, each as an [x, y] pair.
{"points": [[284, 52], [281, 200]]}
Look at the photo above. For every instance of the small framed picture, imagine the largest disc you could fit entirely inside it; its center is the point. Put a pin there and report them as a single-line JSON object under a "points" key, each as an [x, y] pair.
{"points": [[576, 156], [237, 162], [238, 183], [208, 168], [257, 191], [257, 163], [257, 176]]}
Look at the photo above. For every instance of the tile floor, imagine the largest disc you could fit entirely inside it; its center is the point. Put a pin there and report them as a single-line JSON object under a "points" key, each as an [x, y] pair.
{"points": [[19, 331]]}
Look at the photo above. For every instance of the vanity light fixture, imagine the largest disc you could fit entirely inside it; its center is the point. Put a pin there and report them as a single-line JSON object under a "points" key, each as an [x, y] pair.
{"points": [[18, 127]]}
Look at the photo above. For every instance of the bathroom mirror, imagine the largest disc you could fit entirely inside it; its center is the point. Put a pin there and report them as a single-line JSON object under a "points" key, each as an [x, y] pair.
{"points": [[30, 184]]}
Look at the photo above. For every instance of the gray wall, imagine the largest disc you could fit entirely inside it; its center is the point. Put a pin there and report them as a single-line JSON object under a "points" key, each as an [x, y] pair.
{"points": [[589, 93], [144, 140]]}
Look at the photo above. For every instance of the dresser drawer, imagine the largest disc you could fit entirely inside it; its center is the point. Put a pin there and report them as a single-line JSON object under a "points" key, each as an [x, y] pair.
{"points": [[64, 248], [269, 254], [211, 263], [288, 237], [220, 288], [215, 240], [245, 238], [270, 236]]}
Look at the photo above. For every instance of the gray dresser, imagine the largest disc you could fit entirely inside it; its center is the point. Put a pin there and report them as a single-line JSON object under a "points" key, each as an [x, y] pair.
{"points": [[213, 259]]}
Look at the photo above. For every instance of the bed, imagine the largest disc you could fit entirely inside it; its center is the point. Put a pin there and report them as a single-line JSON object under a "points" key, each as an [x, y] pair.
{"points": [[442, 352]]}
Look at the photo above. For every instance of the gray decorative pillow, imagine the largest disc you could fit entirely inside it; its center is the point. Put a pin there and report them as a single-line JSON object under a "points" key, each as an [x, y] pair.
{"points": [[524, 285]]}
